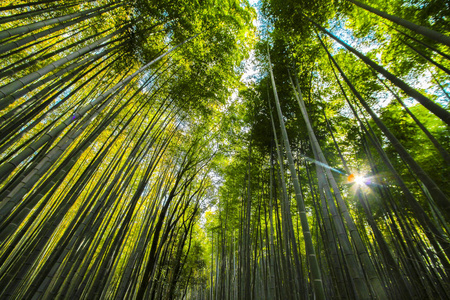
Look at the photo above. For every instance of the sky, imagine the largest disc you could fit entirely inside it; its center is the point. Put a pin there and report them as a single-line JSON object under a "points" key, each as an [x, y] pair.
{"points": [[250, 64]]}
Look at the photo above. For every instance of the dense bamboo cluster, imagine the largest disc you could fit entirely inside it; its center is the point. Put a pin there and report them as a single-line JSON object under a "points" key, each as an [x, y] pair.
{"points": [[307, 229], [134, 164], [102, 174]]}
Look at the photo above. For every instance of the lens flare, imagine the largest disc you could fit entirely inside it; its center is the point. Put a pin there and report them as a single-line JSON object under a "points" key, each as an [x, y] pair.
{"points": [[358, 179]]}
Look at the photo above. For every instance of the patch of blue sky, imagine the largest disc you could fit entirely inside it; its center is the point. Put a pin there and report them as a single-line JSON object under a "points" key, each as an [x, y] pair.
{"points": [[251, 70], [363, 45], [418, 80]]}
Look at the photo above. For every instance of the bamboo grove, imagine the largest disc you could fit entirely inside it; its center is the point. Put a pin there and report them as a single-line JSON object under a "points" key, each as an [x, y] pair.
{"points": [[342, 179], [135, 164], [106, 107]]}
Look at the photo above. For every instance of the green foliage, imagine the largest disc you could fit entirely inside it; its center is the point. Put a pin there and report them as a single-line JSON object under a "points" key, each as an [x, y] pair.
{"points": [[163, 182], [417, 143], [379, 207]]}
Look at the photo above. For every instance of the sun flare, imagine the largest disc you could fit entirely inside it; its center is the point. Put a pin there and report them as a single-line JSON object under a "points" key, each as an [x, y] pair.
{"points": [[358, 179]]}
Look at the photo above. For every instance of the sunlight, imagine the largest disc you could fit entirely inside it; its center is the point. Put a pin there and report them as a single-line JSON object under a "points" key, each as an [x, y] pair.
{"points": [[360, 180]]}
